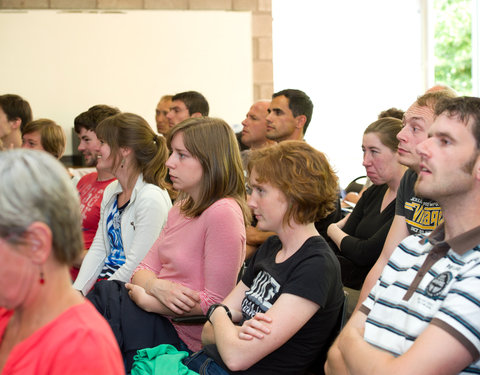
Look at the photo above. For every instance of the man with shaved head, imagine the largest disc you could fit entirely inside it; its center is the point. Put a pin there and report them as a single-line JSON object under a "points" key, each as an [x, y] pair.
{"points": [[254, 133]]}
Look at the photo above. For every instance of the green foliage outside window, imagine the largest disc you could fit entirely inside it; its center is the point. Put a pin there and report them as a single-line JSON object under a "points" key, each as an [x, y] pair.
{"points": [[453, 44]]}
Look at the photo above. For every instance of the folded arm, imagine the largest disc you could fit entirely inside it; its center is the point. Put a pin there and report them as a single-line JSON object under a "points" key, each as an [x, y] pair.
{"points": [[434, 352], [365, 251], [233, 301], [163, 296], [287, 315]]}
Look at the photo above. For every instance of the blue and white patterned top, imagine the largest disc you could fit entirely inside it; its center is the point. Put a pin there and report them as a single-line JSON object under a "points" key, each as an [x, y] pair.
{"points": [[116, 258]]}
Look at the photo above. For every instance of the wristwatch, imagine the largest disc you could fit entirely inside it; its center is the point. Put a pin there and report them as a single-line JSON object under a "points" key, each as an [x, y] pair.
{"points": [[212, 308]]}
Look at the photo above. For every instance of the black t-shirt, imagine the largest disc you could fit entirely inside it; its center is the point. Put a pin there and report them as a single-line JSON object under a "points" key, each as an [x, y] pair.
{"points": [[421, 215], [313, 273]]}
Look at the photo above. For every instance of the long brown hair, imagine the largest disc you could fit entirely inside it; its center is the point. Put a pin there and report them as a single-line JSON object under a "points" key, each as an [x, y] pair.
{"points": [[212, 142], [149, 149]]}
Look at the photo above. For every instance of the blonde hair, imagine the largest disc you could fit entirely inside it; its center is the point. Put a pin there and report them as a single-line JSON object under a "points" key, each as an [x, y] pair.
{"points": [[52, 136], [431, 98]]}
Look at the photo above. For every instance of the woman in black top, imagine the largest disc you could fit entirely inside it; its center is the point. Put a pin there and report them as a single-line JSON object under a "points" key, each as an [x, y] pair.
{"points": [[360, 236]]}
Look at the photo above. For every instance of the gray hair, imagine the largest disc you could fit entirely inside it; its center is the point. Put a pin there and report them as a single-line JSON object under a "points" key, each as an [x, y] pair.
{"points": [[35, 187]]}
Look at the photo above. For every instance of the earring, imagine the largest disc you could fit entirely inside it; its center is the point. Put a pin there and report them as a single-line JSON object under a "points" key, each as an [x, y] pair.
{"points": [[122, 163], [42, 280]]}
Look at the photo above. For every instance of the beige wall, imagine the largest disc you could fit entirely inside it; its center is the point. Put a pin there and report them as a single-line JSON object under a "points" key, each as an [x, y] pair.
{"points": [[261, 24]]}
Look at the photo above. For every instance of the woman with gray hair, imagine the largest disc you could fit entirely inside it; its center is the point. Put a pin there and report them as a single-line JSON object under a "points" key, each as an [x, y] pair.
{"points": [[46, 327]]}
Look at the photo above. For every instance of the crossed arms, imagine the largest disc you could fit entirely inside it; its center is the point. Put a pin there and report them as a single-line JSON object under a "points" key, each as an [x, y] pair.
{"points": [[242, 346], [434, 352]]}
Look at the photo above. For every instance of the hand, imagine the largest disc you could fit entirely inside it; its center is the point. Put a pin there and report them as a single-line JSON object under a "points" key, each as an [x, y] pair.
{"points": [[250, 234], [178, 298], [138, 295], [255, 236], [257, 327]]}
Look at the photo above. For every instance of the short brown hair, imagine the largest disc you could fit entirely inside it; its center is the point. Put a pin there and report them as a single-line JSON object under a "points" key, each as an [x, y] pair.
{"points": [[431, 98], [466, 108], [392, 112], [52, 136], [213, 143], [194, 101], [15, 107], [94, 116], [303, 174]]}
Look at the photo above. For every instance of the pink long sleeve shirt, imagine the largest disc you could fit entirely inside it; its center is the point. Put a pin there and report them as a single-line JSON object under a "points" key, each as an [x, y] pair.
{"points": [[203, 253]]}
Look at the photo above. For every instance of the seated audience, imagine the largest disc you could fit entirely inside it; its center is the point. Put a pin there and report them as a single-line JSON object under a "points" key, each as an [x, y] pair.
{"points": [[46, 327], [195, 261], [134, 208], [44, 134], [91, 186], [283, 312], [15, 112], [423, 316], [360, 236]]}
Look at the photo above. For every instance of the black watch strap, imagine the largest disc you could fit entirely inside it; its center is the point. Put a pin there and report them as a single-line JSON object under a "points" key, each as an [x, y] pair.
{"points": [[212, 308]]}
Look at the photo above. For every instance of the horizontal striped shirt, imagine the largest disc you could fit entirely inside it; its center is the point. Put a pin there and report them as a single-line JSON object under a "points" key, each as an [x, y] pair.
{"points": [[428, 281]]}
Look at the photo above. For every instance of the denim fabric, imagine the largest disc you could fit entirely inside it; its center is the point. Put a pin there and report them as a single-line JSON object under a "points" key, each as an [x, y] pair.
{"points": [[203, 364]]}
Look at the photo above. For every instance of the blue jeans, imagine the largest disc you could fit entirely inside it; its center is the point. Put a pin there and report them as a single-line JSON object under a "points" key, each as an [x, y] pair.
{"points": [[203, 364]]}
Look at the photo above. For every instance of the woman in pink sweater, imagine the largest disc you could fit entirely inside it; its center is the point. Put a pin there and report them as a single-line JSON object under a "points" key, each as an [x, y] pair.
{"points": [[195, 261]]}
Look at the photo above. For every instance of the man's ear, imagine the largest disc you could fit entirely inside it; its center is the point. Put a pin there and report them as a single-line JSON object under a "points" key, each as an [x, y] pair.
{"points": [[39, 238], [476, 168], [300, 120], [16, 123], [196, 114]]}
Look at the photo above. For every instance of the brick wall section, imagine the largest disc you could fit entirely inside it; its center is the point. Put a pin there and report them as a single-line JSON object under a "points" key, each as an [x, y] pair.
{"points": [[261, 24]]}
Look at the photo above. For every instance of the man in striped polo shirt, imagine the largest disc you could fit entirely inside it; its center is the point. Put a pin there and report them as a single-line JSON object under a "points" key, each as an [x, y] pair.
{"points": [[423, 314]]}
